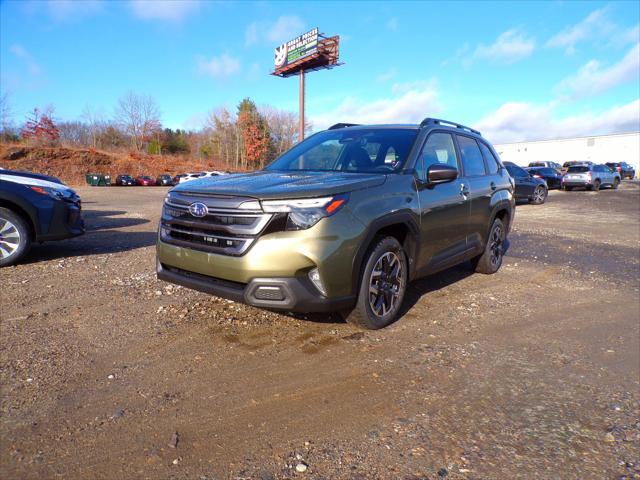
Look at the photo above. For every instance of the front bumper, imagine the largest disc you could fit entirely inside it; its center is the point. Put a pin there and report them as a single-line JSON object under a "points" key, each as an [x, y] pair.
{"points": [[294, 294], [281, 260], [60, 221]]}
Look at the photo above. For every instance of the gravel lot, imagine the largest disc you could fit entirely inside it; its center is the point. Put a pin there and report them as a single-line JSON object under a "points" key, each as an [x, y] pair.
{"points": [[531, 373]]}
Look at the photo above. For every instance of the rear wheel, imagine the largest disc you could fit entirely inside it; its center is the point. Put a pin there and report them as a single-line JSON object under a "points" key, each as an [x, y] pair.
{"points": [[539, 195], [596, 186], [490, 260], [15, 237], [382, 286], [567, 189], [616, 183]]}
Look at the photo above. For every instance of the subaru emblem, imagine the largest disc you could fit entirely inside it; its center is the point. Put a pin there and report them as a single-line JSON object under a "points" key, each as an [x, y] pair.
{"points": [[198, 209]]}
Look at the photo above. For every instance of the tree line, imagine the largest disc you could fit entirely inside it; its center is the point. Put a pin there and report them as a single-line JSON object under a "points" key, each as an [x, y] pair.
{"points": [[247, 138]]}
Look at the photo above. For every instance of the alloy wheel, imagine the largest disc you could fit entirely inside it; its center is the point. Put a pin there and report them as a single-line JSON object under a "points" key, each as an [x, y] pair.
{"points": [[9, 238], [385, 284], [496, 246], [538, 195]]}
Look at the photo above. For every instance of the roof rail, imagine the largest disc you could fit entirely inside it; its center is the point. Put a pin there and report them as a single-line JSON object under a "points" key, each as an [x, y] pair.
{"points": [[343, 125], [438, 121]]}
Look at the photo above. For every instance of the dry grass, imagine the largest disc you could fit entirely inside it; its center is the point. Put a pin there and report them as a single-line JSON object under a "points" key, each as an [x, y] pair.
{"points": [[72, 164]]}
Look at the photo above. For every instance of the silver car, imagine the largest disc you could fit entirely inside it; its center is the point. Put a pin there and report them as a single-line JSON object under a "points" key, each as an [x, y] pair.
{"points": [[591, 177]]}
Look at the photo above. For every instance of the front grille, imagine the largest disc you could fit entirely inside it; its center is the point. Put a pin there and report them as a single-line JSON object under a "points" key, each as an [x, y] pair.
{"points": [[226, 229]]}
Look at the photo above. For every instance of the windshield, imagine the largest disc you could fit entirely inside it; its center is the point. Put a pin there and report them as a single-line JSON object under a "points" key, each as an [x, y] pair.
{"points": [[578, 169], [374, 150]]}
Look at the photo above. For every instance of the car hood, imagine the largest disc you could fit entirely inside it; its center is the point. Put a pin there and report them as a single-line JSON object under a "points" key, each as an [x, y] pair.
{"points": [[267, 185], [37, 176]]}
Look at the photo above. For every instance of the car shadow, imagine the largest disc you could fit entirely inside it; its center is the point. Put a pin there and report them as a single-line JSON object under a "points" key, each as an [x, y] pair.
{"points": [[102, 236], [95, 220], [415, 291]]}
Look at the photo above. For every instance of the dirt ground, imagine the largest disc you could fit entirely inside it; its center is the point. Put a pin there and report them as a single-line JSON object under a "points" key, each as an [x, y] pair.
{"points": [[530, 373]]}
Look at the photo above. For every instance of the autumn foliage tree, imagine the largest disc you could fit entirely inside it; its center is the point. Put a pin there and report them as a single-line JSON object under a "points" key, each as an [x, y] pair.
{"points": [[40, 128], [255, 134]]}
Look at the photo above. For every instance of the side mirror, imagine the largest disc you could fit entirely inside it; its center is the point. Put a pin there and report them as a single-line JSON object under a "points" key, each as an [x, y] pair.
{"points": [[441, 173]]}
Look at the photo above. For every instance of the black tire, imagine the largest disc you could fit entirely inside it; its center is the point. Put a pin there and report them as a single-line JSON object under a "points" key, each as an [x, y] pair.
{"points": [[15, 237], [596, 186], [616, 183], [390, 282], [490, 260], [567, 189], [539, 195]]}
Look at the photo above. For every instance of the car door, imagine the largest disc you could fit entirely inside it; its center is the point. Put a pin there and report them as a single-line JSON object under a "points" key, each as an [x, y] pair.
{"points": [[444, 207], [525, 184], [481, 187]]}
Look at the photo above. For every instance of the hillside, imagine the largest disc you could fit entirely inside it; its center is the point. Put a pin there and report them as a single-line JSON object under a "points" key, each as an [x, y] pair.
{"points": [[71, 164]]}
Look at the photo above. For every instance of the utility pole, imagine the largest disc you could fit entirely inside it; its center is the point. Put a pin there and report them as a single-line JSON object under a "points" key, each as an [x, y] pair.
{"points": [[301, 115]]}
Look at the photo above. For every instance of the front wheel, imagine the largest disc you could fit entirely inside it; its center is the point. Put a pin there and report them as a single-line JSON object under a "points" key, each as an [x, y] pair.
{"points": [[567, 189], [490, 260], [382, 286], [539, 195], [15, 237], [596, 186]]}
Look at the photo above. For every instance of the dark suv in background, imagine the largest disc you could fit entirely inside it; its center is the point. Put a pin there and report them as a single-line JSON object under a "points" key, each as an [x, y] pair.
{"points": [[343, 221], [35, 208], [623, 168]]}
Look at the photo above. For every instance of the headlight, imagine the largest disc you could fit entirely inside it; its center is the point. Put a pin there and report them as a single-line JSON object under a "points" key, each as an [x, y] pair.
{"points": [[57, 193], [306, 212]]}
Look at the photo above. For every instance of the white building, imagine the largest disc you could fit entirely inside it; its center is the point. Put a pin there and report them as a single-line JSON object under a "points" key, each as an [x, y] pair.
{"points": [[618, 147]]}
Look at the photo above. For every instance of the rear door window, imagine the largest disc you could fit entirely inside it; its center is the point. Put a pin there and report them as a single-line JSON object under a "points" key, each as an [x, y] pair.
{"points": [[472, 161]]}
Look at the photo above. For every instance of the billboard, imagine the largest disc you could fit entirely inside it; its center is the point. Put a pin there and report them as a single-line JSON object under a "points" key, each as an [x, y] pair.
{"points": [[296, 49]]}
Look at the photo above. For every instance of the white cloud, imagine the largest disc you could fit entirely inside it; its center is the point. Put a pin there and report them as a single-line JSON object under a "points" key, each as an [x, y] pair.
{"points": [[276, 33], [592, 78], [63, 10], [388, 75], [167, 10], [405, 105], [596, 28], [219, 67], [520, 121], [392, 24], [509, 47], [33, 68]]}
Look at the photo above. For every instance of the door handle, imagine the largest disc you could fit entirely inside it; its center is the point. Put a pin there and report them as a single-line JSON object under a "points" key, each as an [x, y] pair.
{"points": [[464, 190], [493, 186]]}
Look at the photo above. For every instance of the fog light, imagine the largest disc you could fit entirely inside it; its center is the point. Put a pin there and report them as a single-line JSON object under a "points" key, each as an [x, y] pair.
{"points": [[314, 276]]}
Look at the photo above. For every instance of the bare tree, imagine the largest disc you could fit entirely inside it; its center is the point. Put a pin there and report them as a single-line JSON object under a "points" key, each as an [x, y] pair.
{"points": [[95, 123], [139, 116], [283, 125], [6, 118]]}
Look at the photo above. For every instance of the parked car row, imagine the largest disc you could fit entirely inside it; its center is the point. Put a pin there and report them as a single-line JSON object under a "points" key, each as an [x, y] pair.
{"points": [[164, 179], [533, 183]]}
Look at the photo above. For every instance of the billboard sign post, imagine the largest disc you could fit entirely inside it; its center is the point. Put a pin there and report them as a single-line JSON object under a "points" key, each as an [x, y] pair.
{"points": [[307, 52]]}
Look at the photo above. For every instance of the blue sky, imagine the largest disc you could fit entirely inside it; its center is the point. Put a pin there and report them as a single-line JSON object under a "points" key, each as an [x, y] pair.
{"points": [[516, 70]]}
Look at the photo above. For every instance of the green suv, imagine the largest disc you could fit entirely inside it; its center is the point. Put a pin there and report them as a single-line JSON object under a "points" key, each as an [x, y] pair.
{"points": [[343, 221]]}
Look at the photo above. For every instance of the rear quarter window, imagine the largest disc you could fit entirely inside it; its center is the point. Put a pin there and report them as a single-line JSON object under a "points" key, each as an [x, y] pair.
{"points": [[493, 165]]}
